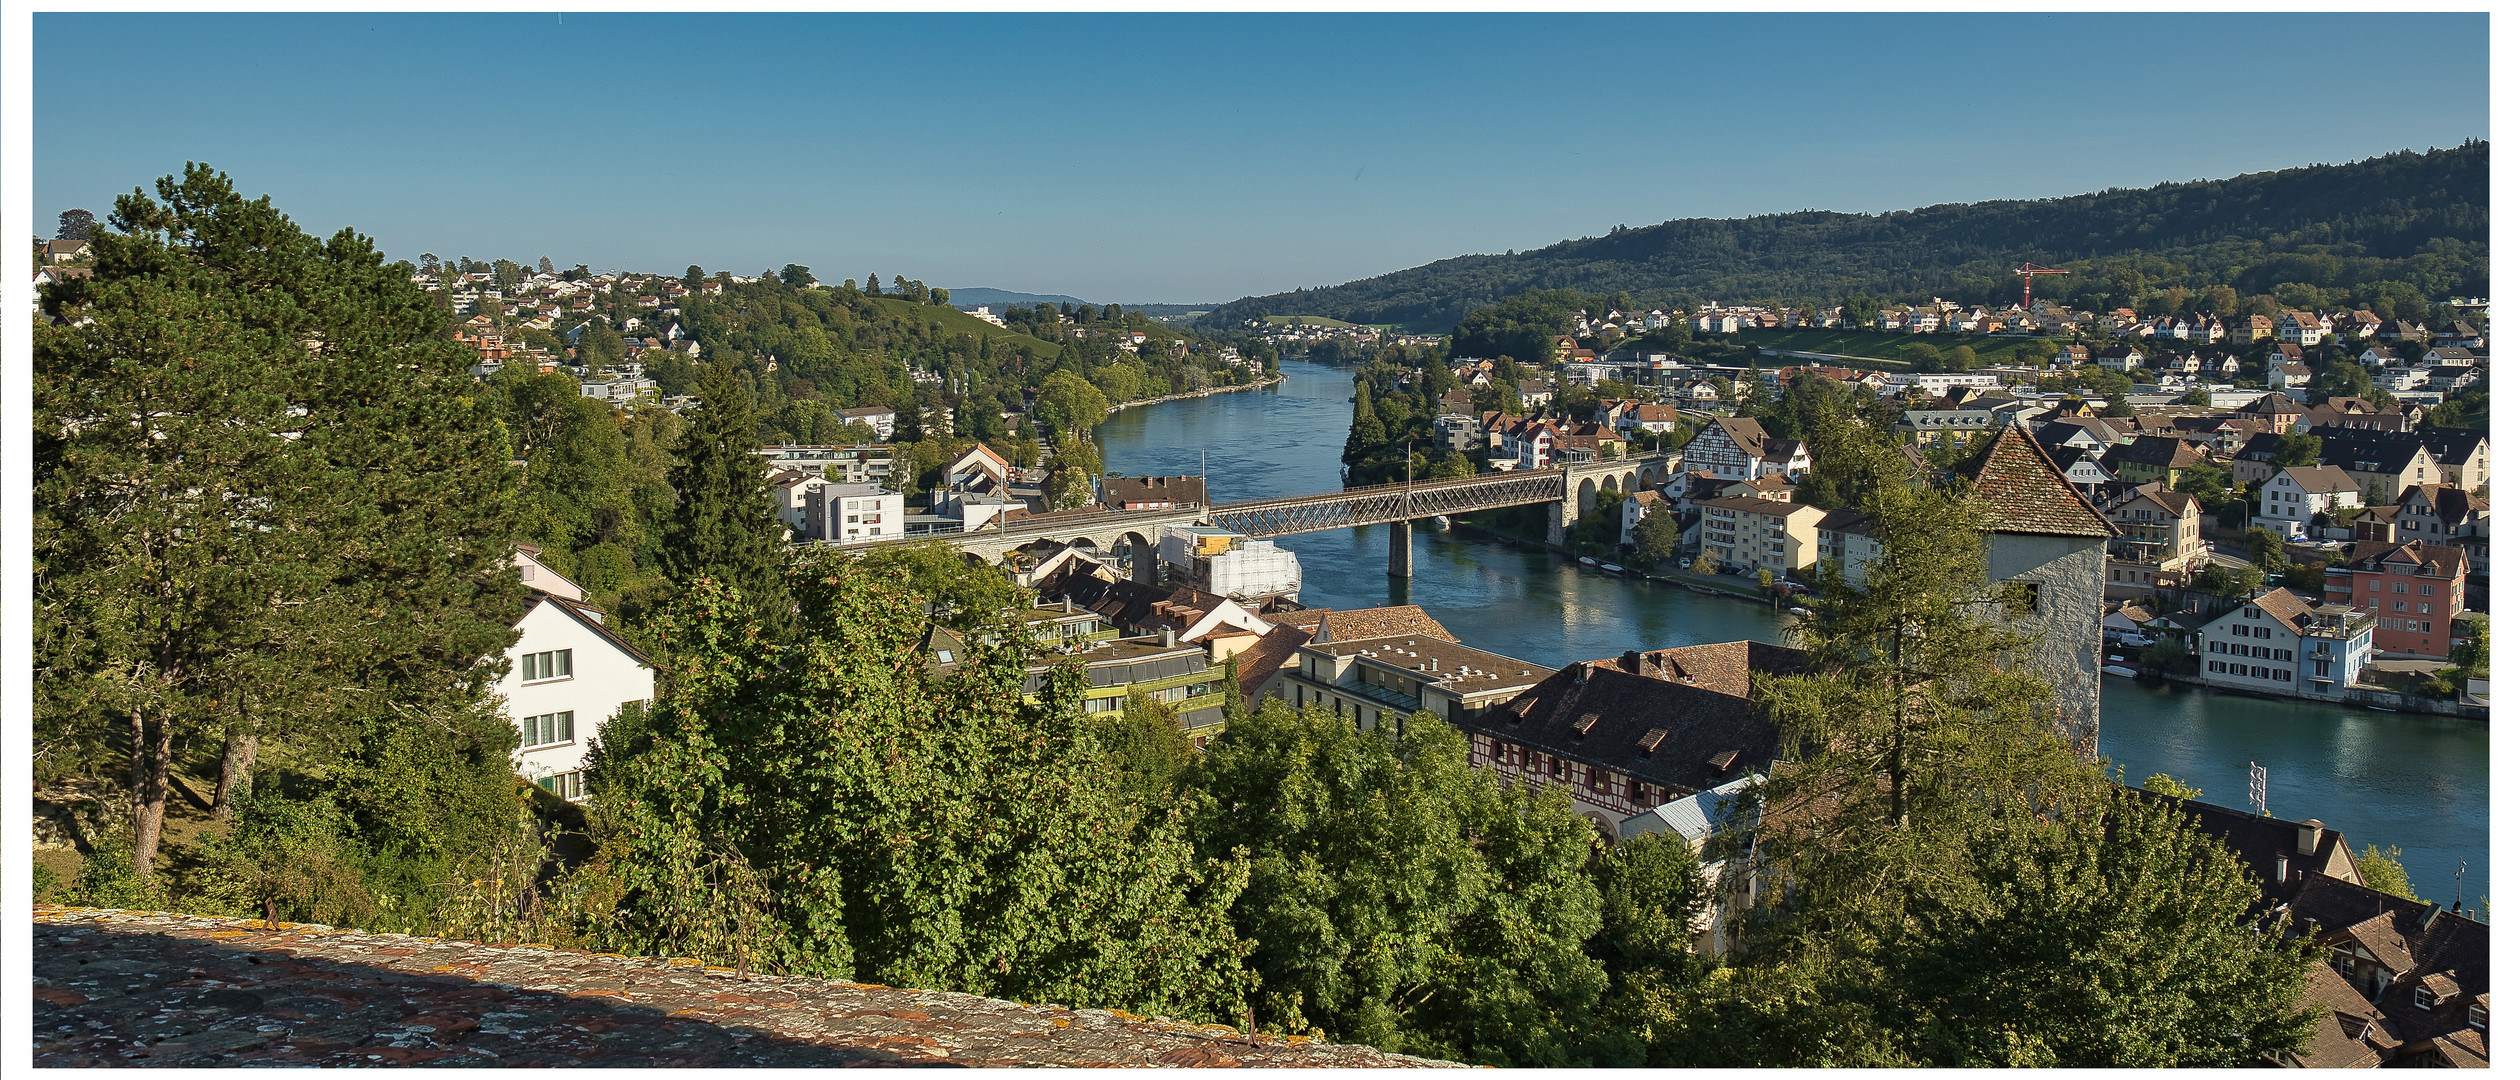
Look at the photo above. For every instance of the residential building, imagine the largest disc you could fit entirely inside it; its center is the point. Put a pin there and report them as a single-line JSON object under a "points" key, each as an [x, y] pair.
{"points": [[567, 676], [877, 417], [2383, 462], [1177, 674], [1760, 534], [1153, 492], [844, 464], [2440, 514], [2160, 540], [1530, 444], [1739, 449], [1925, 425], [2299, 497], [2462, 456], [2278, 643], [2412, 589], [1628, 734], [2300, 328], [1534, 394], [1632, 510], [2408, 980], [1379, 682], [1459, 431], [853, 514], [1847, 540], [2355, 414], [2150, 458], [2049, 545]]}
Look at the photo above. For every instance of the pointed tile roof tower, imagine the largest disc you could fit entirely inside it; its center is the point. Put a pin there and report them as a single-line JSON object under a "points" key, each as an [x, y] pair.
{"points": [[2028, 493]]}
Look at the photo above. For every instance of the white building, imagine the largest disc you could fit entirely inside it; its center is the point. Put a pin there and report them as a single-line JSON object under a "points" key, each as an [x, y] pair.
{"points": [[2289, 498], [1938, 382], [566, 676], [876, 417], [853, 513]]}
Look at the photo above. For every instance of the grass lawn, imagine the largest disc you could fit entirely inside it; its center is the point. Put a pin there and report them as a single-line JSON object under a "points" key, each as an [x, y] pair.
{"points": [[1307, 320], [1881, 346]]}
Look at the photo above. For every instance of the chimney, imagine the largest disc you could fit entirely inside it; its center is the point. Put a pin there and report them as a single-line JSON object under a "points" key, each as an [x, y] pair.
{"points": [[2310, 836], [1168, 637], [2283, 869], [1632, 662], [1067, 604]]}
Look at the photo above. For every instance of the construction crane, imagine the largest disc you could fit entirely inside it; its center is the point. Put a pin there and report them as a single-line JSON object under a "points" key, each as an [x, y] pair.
{"points": [[2030, 271]]}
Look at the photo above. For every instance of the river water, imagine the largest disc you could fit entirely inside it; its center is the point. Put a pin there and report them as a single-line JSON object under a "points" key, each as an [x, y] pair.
{"points": [[2385, 778]]}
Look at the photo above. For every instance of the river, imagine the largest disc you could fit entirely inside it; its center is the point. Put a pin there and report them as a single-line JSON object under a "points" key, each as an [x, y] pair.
{"points": [[2385, 778]]}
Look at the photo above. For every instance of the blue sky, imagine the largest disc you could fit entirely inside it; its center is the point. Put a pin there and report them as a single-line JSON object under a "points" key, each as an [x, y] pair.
{"points": [[1140, 158]]}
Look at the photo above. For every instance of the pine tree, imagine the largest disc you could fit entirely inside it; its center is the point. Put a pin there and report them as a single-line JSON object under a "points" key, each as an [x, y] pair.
{"points": [[722, 526], [265, 499]]}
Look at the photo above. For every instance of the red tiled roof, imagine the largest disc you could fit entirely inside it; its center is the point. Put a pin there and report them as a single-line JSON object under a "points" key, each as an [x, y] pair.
{"points": [[2028, 493]]}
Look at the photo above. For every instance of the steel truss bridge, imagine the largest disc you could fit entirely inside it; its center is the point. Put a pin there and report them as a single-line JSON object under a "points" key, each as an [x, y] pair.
{"points": [[1571, 487]]}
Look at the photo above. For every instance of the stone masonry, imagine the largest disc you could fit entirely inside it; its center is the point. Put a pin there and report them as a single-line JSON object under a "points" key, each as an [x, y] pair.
{"points": [[136, 988]]}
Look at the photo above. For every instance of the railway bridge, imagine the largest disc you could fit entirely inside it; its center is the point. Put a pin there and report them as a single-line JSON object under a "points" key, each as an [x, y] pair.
{"points": [[1574, 488]]}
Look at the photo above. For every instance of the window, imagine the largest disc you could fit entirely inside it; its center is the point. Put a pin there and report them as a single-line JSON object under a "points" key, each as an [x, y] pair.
{"points": [[2021, 597], [2425, 589], [2423, 998], [548, 729], [568, 785], [2397, 605], [2423, 609], [545, 665], [2476, 1017], [2397, 586]]}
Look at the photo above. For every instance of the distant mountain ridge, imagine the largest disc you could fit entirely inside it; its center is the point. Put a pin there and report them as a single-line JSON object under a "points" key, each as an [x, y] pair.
{"points": [[2417, 217], [972, 298]]}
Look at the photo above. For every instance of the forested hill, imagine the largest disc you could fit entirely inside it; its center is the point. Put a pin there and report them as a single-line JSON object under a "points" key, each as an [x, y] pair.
{"points": [[2413, 217]]}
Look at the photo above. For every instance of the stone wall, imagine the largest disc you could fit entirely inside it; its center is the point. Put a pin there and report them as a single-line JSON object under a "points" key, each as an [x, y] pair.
{"points": [[2072, 575], [136, 988]]}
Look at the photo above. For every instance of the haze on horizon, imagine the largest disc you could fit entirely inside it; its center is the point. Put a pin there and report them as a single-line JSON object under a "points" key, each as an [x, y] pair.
{"points": [[1184, 158]]}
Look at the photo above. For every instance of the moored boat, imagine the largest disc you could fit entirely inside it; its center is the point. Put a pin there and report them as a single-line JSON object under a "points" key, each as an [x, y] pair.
{"points": [[1614, 568], [1587, 560]]}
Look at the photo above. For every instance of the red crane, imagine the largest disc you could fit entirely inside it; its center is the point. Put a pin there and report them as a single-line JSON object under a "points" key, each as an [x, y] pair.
{"points": [[2030, 271]]}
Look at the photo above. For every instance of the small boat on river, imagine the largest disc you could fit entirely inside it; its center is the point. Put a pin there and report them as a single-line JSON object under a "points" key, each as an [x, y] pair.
{"points": [[1588, 561], [1614, 568], [2120, 670]]}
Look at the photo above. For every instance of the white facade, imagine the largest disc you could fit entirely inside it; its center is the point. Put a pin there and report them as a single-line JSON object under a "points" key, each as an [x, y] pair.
{"points": [[1939, 382], [2289, 498], [566, 677], [855, 513]]}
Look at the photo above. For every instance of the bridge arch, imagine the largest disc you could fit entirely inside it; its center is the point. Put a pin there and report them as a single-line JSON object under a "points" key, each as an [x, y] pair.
{"points": [[1141, 556], [1586, 493]]}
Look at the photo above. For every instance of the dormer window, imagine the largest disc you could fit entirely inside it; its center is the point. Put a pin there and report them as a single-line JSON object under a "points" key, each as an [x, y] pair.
{"points": [[2476, 1017], [2423, 998]]}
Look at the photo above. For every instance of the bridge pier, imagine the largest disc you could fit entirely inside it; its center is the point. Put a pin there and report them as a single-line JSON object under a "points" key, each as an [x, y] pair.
{"points": [[1142, 562], [1564, 516], [1403, 551]]}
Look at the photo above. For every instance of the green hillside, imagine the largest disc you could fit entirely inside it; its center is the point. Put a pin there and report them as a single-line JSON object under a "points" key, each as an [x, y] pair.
{"points": [[2410, 225]]}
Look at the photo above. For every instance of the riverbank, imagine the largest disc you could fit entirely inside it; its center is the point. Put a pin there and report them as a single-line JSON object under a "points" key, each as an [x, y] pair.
{"points": [[1196, 394], [2376, 699], [1694, 582]]}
